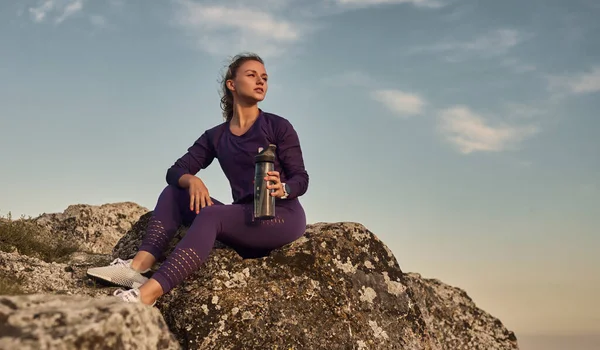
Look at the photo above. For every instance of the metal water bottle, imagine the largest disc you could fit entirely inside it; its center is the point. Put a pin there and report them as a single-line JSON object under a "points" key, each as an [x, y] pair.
{"points": [[264, 203]]}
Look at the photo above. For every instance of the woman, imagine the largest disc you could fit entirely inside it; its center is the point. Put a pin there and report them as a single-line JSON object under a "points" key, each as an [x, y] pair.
{"points": [[186, 200]]}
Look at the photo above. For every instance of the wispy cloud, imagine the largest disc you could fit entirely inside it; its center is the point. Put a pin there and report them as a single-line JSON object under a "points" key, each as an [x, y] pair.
{"points": [[402, 103], [98, 21], [224, 29], [69, 10], [270, 27], [471, 132], [417, 3], [55, 10], [491, 44], [582, 83]]}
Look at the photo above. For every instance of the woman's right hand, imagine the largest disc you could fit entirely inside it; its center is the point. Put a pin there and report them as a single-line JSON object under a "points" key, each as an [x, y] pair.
{"points": [[199, 196]]}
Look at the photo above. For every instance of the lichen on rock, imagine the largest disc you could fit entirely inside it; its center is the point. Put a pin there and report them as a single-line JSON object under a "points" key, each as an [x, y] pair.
{"points": [[337, 287]]}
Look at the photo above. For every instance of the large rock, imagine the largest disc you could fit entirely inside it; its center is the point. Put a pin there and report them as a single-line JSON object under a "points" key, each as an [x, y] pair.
{"points": [[338, 287], [453, 318], [40, 322], [37, 276], [97, 229]]}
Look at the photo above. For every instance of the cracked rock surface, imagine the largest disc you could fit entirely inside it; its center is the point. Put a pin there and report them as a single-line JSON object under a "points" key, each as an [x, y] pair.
{"points": [[338, 287], [95, 228], [39, 322]]}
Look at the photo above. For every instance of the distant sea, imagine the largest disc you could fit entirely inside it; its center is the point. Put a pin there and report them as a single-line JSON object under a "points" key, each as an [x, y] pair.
{"points": [[559, 342]]}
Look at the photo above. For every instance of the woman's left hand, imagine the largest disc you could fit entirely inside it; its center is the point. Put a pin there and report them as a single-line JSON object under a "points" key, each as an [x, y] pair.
{"points": [[276, 185]]}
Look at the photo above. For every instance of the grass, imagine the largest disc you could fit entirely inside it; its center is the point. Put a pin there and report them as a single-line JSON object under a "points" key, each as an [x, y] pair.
{"points": [[32, 240], [9, 285]]}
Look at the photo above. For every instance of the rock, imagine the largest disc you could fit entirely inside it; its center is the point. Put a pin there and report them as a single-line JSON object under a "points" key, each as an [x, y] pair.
{"points": [[40, 322], [338, 287], [96, 228], [37, 276], [453, 318]]}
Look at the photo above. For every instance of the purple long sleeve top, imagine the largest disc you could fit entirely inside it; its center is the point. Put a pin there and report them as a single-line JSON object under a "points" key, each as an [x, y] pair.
{"points": [[236, 154]]}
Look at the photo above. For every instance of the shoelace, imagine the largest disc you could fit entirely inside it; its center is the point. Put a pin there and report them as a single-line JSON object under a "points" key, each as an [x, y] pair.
{"points": [[119, 261], [129, 295]]}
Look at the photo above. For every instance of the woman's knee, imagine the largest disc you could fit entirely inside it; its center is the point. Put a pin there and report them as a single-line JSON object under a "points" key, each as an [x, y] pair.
{"points": [[173, 197], [174, 193]]}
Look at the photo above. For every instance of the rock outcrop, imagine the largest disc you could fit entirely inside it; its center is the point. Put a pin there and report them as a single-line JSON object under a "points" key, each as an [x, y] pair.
{"points": [[96, 229], [338, 287], [453, 319], [39, 322]]}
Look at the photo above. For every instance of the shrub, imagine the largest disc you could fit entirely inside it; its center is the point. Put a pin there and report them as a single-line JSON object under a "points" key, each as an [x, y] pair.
{"points": [[29, 239]]}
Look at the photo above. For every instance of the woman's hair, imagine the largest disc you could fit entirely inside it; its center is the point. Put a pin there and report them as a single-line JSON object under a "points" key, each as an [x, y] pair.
{"points": [[230, 73]]}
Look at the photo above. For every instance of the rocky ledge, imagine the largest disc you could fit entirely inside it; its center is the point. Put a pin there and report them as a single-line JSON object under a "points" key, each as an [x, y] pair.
{"points": [[338, 287]]}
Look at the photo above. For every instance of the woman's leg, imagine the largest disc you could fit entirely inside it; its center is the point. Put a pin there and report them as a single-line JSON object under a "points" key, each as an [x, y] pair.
{"points": [[172, 210], [231, 224]]}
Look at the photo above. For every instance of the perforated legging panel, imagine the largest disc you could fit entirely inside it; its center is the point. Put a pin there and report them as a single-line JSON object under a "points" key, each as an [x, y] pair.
{"points": [[182, 262], [171, 211], [157, 237]]}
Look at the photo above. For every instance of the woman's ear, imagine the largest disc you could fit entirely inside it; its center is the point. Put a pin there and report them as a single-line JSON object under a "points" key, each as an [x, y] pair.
{"points": [[230, 85]]}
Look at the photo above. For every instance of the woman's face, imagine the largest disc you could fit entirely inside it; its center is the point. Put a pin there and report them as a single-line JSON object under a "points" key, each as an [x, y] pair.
{"points": [[250, 83]]}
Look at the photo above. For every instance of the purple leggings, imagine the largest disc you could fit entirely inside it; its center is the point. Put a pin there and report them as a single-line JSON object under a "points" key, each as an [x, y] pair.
{"points": [[232, 224]]}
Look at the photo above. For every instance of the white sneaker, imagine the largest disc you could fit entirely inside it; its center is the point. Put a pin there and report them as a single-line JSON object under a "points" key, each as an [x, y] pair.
{"points": [[120, 273], [129, 296]]}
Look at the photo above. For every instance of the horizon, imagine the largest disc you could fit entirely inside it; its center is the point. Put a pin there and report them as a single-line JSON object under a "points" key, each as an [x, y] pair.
{"points": [[461, 133]]}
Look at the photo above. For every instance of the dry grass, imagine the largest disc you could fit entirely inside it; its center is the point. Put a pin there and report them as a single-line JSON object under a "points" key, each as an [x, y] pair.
{"points": [[30, 239], [9, 285]]}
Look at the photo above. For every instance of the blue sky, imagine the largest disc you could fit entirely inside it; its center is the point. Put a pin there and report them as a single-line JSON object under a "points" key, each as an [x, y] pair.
{"points": [[463, 133]]}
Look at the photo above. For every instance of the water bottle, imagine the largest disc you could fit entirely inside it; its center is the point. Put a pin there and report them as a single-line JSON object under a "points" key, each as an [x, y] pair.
{"points": [[264, 203]]}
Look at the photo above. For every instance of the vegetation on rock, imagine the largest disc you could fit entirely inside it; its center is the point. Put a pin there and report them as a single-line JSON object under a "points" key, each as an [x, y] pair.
{"points": [[27, 238]]}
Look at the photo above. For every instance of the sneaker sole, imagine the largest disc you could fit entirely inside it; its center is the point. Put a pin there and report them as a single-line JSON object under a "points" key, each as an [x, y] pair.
{"points": [[133, 284]]}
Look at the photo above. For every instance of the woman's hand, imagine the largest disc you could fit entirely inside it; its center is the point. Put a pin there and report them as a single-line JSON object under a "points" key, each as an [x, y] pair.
{"points": [[199, 196], [275, 186]]}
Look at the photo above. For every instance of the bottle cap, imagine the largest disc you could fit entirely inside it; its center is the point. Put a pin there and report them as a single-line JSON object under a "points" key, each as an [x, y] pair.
{"points": [[267, 155]]}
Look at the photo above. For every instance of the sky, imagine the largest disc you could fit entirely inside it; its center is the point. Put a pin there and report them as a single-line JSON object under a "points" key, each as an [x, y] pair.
{"points": [[462, 133]]}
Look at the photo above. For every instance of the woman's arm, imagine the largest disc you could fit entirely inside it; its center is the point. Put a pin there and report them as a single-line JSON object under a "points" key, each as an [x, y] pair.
{"points": [[199, 156], [290, 157]]}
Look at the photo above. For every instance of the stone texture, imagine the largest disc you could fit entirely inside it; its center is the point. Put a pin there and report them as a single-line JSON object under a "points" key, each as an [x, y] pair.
{"points": [[40, 322], [338, 287], [37, 276], [95, 228], [453, 318]]}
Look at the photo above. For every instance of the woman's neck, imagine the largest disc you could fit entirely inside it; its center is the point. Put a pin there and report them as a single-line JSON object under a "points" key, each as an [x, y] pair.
{"points": [[244, 116]]}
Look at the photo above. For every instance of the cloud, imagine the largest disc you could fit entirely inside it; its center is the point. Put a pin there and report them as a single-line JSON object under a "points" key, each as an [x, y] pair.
{"points": [[98, 21], [401, 103], [223, 29], [38, 14], [491, 44], [69, 10], [470, 132], [366, 3], [270, 27], [60, 10], [576, 84]]}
